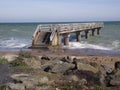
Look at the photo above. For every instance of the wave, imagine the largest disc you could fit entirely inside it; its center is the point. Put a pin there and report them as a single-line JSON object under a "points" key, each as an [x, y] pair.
{"points": [[14, 43], [116, 44], [82, 45], [25, 43]]}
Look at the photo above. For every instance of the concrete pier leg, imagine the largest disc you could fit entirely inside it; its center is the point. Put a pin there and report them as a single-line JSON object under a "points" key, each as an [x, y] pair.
{"points": [[66, 39], [78, 36], [86, 34], [98, 31], [59, 40], [93, 32]]}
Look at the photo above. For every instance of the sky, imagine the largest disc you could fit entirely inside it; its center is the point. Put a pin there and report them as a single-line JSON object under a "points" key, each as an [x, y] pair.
{"points": [[59, 10]]}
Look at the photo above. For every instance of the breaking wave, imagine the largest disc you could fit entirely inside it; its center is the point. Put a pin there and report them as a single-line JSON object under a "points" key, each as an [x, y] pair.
{"points": [[82, 45], [14, 43]]}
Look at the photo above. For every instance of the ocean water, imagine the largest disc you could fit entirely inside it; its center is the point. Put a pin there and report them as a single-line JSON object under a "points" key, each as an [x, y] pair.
{"points": [[19, 35]]}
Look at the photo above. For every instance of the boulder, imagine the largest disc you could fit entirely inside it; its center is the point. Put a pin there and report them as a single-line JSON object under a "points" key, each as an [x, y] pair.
{"points": [[115, 82], [62, 67], [33, 62], [117, 65], [87, 67], [72, 78], [16, 86], [10, 58]]}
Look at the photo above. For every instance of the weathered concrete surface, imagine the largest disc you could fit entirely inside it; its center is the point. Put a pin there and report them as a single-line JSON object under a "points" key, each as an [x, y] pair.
{"points": [[51, 34]]}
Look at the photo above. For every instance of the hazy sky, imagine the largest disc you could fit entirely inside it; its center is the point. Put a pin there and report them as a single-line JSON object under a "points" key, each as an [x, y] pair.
{"points": [[59, 10]]}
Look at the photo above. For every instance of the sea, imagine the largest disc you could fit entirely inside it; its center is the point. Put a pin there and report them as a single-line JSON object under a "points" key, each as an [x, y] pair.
{"points": [[17, 36]]}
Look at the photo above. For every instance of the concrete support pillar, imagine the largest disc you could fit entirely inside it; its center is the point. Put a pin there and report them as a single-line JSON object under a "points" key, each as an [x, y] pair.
{"points": [[78, 36], [86, 34], [66, 39], [59, 40], [93, 32], [98, 31]]}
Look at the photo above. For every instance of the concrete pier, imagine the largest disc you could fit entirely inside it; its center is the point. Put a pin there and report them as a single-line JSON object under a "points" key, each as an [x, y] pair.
{"points": [[51, 34]]}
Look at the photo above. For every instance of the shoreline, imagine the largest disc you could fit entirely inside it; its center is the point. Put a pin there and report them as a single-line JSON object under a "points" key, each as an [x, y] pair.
{"points": [[65, 51]]}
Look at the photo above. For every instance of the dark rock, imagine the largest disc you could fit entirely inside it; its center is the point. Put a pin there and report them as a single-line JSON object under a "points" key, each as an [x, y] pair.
{"points": [[75, 63], [48, 69], [45, 58], [93, 64], [65, 59], [17, 81], [117, 65], [89, 76]]}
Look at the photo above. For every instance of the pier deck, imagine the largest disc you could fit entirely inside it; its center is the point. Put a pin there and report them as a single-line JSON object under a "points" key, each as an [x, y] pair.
{"points": [[51, 34]]}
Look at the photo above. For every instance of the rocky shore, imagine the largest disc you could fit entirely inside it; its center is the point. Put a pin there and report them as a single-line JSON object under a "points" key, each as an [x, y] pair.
{"points": [[38, 71]]}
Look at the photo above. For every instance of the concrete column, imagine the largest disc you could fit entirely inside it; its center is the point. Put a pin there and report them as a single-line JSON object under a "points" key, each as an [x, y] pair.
{"points": [[86, 34], [66, 39], [98, 31], [59, 40], [93, 32], [78, 36]]}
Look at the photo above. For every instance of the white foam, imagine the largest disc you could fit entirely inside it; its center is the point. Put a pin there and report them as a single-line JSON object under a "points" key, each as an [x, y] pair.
{"points": [[14, 43], [116, 44], [77, 45]]}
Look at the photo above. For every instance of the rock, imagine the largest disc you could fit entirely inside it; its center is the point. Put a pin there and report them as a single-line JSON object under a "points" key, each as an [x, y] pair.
{"points": [[117, 65], [62, 67], [115, 82], [102, 81], [87, 67], [72, 78], [107, 69], [68, 59], [48, 65], [30, 80], [10, 58], [44, 80], [48, 69], [23, 79], [83, 82], [16, 86], [33, 62], [45, 58], [5, 87], [17, 76]]}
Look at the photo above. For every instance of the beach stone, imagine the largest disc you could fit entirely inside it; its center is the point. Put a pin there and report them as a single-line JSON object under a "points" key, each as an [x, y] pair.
{"points": [[33, 62], [87, 67], [44, 80], [23, 79], [45, 58], [107, 69], [115, 82], [62, 67], [68, 59], [72, 78], [30, 80], [5, 87], [16, 86], [10, 58]]}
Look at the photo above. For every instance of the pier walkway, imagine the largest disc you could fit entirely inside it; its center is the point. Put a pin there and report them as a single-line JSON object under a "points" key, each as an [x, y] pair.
{"points": [[47, 35]]}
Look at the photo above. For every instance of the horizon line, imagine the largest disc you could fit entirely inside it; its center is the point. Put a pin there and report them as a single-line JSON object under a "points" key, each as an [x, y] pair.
{"points": [[62, 21]]}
